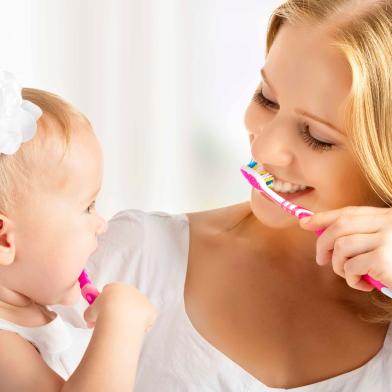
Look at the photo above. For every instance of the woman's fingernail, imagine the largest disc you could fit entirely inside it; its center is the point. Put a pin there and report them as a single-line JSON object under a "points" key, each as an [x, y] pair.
{"points": [[305, 220]]}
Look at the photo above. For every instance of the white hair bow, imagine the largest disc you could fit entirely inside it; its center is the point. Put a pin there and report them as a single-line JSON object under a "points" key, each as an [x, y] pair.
{"points": [[18, 117]]}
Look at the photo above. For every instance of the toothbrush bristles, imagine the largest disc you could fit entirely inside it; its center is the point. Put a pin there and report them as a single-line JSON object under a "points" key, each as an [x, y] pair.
{"points": [[267, 177]]}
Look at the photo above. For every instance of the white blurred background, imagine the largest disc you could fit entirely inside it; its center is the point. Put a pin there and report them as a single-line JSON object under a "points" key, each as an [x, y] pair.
{"points": [[164, 82]]}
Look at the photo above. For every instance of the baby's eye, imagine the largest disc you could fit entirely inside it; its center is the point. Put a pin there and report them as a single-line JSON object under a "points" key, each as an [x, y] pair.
{"points": [[91, 207]]}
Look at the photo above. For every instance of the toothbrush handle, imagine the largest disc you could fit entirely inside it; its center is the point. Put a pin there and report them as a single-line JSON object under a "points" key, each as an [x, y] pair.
{"points": [[298, 212], [89, 292], [367, 278]]}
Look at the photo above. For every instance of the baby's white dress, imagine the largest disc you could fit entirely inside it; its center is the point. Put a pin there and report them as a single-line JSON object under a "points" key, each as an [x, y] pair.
{"points": [[150, 251], [60, 344]]}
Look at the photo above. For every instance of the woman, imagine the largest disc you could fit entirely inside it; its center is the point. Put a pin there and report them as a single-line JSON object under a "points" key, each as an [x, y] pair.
{"points": [[243, 305]]}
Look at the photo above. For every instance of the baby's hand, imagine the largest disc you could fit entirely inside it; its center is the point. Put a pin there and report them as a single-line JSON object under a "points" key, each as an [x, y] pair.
{"points": [[357, 241], [119, 301]]}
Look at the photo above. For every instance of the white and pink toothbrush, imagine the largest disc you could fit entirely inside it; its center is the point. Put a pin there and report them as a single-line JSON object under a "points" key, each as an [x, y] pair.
{"points": [[261, 180], [89, 292]]}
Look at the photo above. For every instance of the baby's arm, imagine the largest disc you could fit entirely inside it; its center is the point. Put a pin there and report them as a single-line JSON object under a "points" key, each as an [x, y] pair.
{"points": [[22, 368], [120, 314]]}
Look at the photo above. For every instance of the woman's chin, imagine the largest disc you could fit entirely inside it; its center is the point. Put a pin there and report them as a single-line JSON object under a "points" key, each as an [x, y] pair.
{"points": [[270, 214]]}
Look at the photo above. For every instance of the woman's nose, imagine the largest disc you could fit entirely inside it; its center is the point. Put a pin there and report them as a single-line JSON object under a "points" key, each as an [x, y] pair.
{"points": [[270, 145]]}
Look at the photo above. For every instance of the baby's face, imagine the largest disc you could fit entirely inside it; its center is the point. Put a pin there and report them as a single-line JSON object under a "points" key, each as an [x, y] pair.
{"points": [[305, 74], [56, 229]]}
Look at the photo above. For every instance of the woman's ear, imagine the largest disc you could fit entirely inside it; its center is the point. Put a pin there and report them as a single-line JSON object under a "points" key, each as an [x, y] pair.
{"points": [[7, 241]]}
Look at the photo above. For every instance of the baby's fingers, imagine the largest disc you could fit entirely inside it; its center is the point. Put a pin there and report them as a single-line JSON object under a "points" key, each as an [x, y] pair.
{"points": [[91, 313]]}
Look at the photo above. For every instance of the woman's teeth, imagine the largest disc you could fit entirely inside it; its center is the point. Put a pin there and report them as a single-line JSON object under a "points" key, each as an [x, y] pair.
{"points": [[286, 187]]}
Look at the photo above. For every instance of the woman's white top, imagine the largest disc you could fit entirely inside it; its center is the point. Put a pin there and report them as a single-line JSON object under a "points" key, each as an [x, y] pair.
{"points": [[150, 251], [60, 344]]}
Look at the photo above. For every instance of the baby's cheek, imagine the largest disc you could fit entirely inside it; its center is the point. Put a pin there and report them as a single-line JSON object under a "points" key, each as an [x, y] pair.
{"points": [[71, 296]]}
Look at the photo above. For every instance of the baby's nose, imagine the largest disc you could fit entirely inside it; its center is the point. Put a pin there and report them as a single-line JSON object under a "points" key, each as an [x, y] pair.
{"points": [[102, 226]]}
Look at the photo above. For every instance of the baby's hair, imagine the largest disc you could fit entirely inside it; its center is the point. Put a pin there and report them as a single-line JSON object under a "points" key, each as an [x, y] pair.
{"points": [[56, 121], [362, 31]]}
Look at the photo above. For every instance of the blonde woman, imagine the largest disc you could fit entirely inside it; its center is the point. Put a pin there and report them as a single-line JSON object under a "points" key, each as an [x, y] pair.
{"points": [[248, 299]]}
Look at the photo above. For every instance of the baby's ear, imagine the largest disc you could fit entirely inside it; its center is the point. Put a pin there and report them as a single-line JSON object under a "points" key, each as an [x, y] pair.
{"points": [[7, 241]]}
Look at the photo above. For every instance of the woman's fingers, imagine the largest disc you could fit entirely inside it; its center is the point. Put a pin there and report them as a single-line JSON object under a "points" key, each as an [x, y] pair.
{"points": [[357, 241], [358, 266], [345, 226], [348, 247], [326, 218]]}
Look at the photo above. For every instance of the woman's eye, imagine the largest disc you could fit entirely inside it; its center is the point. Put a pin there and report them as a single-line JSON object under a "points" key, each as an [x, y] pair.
{"points": [[91, 207], [263, 101], [315, 144], [303, 129]]}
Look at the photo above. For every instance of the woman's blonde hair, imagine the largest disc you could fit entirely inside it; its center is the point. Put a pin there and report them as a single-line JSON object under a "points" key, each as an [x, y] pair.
{"points": [[362, 31], [16, 170]]}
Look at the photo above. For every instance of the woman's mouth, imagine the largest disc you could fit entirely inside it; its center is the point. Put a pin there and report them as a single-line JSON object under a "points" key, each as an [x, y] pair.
{"points": [[290, 196], [288, 190], [295, 194]]}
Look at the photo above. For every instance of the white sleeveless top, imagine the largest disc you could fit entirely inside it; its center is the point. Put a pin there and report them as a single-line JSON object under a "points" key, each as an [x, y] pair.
{"points": [[150, 251], [60, 344]]}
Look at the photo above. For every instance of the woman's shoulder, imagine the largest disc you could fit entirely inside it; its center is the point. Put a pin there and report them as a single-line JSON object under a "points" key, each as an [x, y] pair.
{"points": [[132, 217], [220, 219], [128, 227], [144, 248], [129, 222], [141, 248]]}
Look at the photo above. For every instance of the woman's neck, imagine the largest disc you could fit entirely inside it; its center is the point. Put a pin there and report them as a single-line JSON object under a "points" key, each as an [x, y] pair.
{"points": [[292, 241]]}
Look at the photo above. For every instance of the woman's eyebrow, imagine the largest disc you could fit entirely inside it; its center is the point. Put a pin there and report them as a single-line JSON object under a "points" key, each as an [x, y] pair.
{"points": [[318, 119], [299, 111]]}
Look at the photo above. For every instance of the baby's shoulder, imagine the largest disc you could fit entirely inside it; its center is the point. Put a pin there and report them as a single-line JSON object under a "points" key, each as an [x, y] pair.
{"points": [[12, 342], [22, 367]]}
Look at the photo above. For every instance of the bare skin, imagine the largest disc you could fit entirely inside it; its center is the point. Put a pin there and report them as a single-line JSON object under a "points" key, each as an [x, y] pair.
{"points": [[286, 326]]}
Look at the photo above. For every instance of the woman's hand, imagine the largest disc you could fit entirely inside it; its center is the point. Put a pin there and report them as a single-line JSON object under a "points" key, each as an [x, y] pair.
{"points": [[357, 241]]}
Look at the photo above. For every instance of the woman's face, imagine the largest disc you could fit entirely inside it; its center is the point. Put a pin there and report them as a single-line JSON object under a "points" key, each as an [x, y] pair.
{"points": [[295, 125]]}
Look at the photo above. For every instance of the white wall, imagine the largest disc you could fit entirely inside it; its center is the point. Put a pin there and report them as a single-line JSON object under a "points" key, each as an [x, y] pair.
{"points": [[164, 82]]}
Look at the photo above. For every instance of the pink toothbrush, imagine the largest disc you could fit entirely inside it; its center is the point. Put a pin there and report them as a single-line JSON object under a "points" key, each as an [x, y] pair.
{"points": [[261, 180], [89, 292]]}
